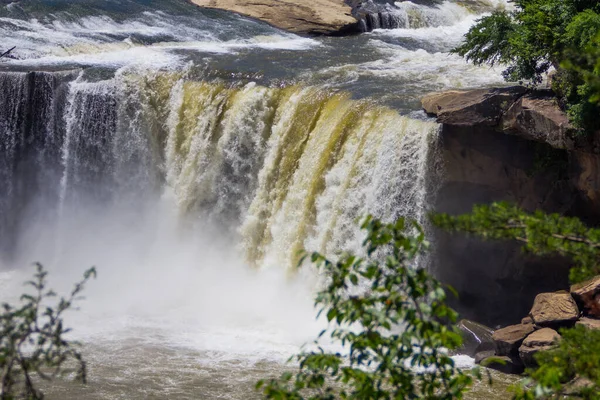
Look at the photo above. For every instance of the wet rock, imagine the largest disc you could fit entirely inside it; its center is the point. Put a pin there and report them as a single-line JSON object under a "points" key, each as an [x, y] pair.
{"points": [[542, 340], [554, 309], [475, 337], [482, 355], [473, 107], [505, 364], [587, 295], [508, 340], [589, 323]]}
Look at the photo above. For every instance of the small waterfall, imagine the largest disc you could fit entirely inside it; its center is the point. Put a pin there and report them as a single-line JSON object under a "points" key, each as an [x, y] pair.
{"points": [[413, 15], [280, 168]]}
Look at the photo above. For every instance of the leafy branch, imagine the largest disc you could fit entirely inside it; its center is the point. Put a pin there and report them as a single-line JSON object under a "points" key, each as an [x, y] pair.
{"points": [[32, 342]]}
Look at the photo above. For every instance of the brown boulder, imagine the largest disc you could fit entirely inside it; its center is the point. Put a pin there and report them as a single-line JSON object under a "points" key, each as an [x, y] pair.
{"points": [[554, 309], [507, 340], [589, 323], [587, 295], [305, 17], [473, 107], [541, 340]]}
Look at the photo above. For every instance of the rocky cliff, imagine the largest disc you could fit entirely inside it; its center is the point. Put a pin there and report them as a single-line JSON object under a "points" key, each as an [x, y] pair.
{"points": [[315, 17], [515, 145]]}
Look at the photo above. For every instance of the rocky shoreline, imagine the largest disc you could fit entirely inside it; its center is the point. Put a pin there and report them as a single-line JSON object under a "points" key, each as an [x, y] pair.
{"points": [[511, 349]]}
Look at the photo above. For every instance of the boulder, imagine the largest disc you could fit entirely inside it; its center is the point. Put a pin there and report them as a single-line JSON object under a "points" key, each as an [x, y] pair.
{"points": [[507, 340], [541, 340], [538, 117], [554, 309], [476, 337], [316, 17], [504, 364], [589, 323], [587, 295], [473, 107]]}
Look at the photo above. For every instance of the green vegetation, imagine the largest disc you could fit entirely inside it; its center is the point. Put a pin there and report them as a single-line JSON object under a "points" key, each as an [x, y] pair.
{"points": [[574, 366], [572, 369], [392, 320], [32, 339], [540, 35]]}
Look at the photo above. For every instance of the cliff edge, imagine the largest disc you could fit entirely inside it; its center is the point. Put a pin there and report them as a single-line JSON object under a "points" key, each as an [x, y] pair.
{"points": [[316, 17]]}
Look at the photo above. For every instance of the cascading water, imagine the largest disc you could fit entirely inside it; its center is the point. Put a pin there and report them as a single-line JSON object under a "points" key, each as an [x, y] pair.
{"points": [[189, 154]]}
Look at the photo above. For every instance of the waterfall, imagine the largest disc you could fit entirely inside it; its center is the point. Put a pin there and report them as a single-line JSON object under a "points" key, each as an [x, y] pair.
{"points": [[281, 169]]}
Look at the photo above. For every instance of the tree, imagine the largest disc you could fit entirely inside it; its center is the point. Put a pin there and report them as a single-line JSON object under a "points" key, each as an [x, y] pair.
{"points": [[573, 368], [393, 321], [537, 36], [32, 339]]}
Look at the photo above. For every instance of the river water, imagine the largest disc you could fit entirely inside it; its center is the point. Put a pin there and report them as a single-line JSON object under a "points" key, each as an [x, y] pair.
{"points": [[189, 154]]}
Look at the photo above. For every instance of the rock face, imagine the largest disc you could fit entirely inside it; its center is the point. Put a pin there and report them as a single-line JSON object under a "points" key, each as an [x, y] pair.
{"points": [[554, 309], [511, 145], [587, 296], [509, 339], [542, 340], [315, 17]]}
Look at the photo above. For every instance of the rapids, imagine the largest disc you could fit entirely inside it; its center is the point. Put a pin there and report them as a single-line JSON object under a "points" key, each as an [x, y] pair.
{"points": [[189, 154]]}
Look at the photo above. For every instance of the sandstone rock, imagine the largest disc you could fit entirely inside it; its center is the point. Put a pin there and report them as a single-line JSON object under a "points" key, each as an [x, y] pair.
{"points": [[537, 117], [471, 108], [308, 17], [589, 323], [527, 320], [541, 340], [505, 364], [475, 337], [587, 295], [554, 309], [508, 340]]}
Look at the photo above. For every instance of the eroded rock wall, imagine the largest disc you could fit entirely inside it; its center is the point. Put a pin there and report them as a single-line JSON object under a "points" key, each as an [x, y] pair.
{"points": [[508, 145]]}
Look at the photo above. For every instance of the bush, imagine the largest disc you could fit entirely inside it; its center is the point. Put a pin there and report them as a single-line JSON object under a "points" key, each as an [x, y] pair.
{"points": [[392, 319], [32, 342]]}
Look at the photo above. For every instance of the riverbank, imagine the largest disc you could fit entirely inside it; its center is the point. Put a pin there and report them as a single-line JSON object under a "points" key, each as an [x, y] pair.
{"points": [[318, 17]]}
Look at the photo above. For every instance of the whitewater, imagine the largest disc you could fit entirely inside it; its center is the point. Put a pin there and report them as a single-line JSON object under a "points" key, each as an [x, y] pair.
{"points": [[189, 155]]}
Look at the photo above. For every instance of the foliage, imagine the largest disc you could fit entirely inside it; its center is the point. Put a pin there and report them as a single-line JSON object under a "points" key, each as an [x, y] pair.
{"points": [[541, 233], [391, 318], [572, 368], [32, 339], [543, 34]]}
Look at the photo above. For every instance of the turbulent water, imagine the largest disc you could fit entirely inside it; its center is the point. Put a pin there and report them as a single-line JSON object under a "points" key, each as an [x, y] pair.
{"points": [[189, 154]]}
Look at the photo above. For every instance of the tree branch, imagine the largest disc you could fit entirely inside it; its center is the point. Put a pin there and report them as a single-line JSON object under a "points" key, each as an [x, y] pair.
{"points": [[7, 52]]}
